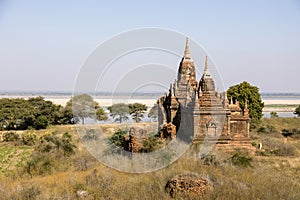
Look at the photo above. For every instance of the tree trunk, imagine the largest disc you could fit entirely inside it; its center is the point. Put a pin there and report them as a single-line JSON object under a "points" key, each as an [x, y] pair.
{"points": [[82, 120], [136, 118]]}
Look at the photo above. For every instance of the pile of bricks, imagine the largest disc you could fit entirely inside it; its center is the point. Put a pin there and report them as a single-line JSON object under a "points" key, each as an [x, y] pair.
{"points": [[187, 185]]}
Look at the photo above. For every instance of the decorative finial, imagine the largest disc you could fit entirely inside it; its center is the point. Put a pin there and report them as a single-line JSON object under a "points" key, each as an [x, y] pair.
{"points": [[187, 49], [206, 62], [246, 110]]}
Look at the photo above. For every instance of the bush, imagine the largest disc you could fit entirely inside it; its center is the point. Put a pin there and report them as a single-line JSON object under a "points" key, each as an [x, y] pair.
{"points": [[118, 138], [253, 143], [41, 122], [31, 192], [67, 144], [266, 128], [209, 159], [284, 150], [153, 143], [254, 124], [91, 134], [241, 159], [39, 164], [277, 147], [10, 137], [294, 133], [50, 154], [29, 138]]}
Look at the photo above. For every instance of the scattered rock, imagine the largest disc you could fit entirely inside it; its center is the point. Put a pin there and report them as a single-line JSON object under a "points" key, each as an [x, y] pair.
{"points": [[81, 194], [188, 185]]}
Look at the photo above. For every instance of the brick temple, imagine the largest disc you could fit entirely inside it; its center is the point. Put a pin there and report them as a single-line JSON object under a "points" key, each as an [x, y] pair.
{"points": [[195, 111]]}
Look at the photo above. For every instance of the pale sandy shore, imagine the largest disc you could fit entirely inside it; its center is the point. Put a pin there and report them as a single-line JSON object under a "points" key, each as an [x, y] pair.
{"points": [[281, 101], [108, 102], [150, 102], [105, 102]]}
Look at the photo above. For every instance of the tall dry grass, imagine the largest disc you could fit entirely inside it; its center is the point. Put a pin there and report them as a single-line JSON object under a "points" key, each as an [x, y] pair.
{"points": [[271, 177]]}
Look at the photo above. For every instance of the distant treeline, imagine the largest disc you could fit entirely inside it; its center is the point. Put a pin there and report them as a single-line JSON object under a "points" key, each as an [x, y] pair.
{"points": [[38, 113]]}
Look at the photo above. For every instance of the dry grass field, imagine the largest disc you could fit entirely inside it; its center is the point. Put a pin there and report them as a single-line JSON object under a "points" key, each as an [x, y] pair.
{"points": [[27, 172]]}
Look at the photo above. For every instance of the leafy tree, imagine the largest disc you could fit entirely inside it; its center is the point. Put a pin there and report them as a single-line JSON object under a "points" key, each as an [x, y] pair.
{"points": [[137, 110], [66, 115], [297, 111], [15, 113], [153, 113], [21, 114], [273, 114], [83, 106], [45, 108], [246, 92], [119, 111]]}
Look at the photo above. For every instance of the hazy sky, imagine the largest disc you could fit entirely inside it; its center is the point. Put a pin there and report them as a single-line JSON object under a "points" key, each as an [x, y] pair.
{"points": [[44, 43]]}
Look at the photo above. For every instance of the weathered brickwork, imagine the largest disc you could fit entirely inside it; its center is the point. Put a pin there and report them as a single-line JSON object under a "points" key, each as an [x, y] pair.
{"points": [[197, 110]]}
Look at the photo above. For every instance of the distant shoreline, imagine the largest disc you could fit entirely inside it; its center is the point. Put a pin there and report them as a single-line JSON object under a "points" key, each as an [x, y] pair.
{"points": [[278, 103], [142, 94]]}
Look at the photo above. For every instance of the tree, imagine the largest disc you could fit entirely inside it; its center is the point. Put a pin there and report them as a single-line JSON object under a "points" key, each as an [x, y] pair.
{"points": [[137, 110], [119, 112], [35, 112], [83, 106], [16, 114], [245, 92], [153, 113], [45, 108], [66, 115], [297, 111]]}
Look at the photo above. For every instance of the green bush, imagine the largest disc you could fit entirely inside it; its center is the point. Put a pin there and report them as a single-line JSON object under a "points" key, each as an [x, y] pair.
{"points": [[254, 124], [29, 138], [10, 137], [241, 159], [153, 143], [41, 122], [266, 128], [293, 133], [50, 153], [118, 138], [67, 144]]}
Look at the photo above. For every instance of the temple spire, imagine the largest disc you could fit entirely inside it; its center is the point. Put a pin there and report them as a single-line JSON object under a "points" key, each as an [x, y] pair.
{"points": [[206, 63], [206, 69], [187, 49]]}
